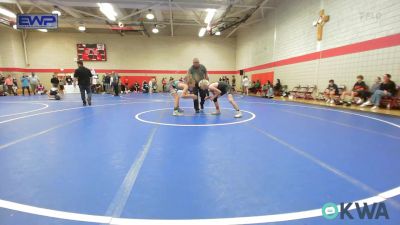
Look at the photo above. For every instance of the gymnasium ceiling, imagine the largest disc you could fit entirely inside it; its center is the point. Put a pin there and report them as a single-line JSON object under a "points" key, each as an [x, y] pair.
{"points": [[172, 17]]}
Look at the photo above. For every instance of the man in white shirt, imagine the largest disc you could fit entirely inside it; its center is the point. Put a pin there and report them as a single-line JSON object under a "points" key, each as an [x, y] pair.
{"points": [[34, 81]]}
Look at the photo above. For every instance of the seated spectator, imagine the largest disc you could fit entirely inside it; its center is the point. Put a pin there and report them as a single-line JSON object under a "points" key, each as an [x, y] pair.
{"points": [[267, 89], [358, 88], [145, 87], [251, 86], [255, 86], [155, 87], [69, 80], [40, 89], [331, 91], [136, 87], [53, 94], [264, 90], [123, 89], [367, 94], [97, 88], [278, 88], [387, 88]]}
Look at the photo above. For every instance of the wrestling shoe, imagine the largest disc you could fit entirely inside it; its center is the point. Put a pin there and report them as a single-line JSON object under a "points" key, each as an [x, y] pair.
{"points": [[238, 114], [176, 113]]}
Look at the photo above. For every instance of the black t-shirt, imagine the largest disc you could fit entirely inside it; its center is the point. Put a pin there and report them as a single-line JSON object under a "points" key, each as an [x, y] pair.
{"points": [[333, 87], [69, 80], [55, 81], [360, 86], [278, 86], [107, 79], [390, 87], [83, 75]]}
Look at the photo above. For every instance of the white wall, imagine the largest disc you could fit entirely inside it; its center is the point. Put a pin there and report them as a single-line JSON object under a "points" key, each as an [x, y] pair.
{"points": [[350, 22], [11, 48], [58, 50]]}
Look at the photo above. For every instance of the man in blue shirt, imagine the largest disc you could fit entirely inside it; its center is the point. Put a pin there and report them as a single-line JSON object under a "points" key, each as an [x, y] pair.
{"points": [[25, 84]]}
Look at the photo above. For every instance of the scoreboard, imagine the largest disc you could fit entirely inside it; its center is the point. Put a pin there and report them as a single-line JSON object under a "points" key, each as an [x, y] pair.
{"points": [[92, 52]]}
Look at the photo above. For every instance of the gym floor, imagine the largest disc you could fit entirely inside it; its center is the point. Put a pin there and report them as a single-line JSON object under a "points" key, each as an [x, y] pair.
{"points": [[127, 160]]}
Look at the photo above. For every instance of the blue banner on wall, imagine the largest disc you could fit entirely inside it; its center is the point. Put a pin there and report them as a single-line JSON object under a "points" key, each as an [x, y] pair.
{"points": [[37, 21]]}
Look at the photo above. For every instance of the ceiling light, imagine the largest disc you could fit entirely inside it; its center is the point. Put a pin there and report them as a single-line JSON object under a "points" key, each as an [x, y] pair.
{"points": [[42, 30], [210, 15], [202, 31], [218, 33], [7, 13], [56, 11], [15, 26], [108, 10], [155, 30], [150, 15], [82, 27]]}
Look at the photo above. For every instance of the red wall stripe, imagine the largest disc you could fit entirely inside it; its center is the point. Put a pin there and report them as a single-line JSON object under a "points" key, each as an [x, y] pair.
{"points": [[378, 43]]}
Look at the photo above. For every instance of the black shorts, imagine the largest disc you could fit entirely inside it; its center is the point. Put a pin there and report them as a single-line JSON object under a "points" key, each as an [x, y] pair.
{"points": [[53, 92], [224, 90]]}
